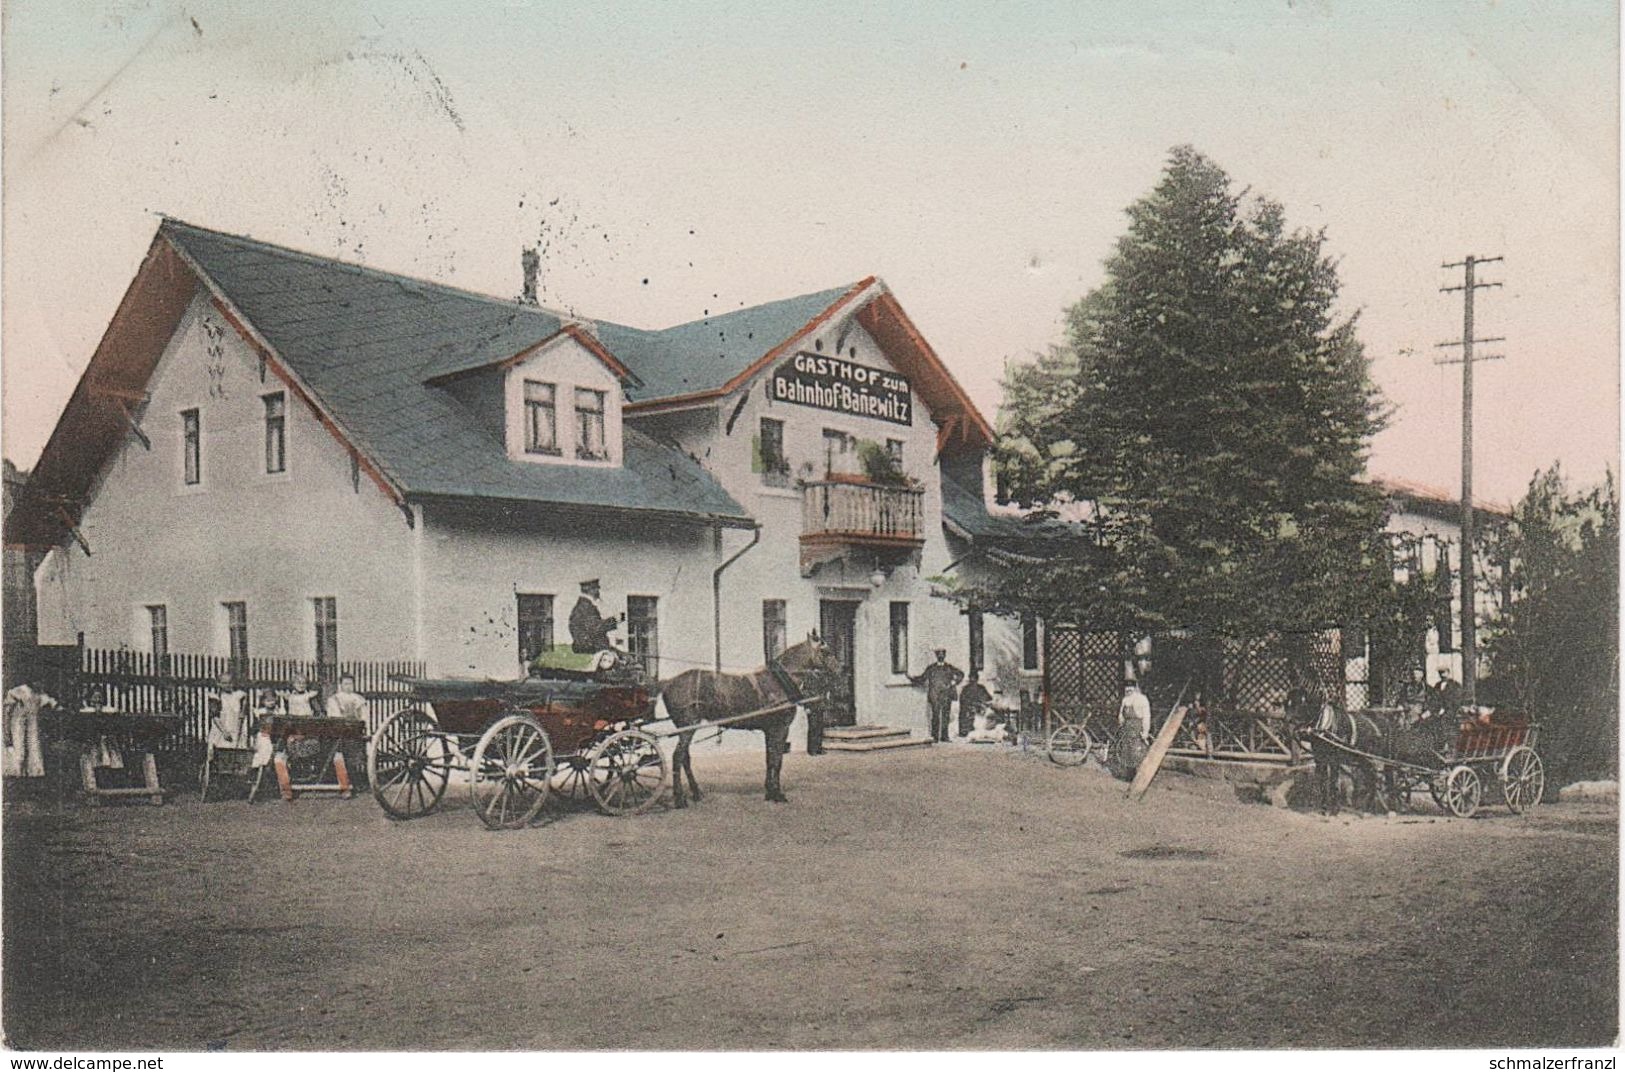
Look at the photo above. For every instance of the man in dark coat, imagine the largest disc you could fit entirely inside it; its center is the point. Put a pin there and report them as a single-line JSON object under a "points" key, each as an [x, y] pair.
{"points": [[973, 700], [590, 627], [940, 679]]}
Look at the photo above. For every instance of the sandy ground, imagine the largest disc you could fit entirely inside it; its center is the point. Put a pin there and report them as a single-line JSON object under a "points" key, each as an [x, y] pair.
{"points": [[941, 898]]}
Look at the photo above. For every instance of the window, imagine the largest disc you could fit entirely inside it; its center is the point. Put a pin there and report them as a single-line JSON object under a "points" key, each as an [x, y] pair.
{"points": [[976, 653], [535, 626], [192, 446], [276, 432], [894, 451], [643, 632], [840, 452], [590, 424], [899, 638], [236, 633], [326, 610], [1029, 641], [771, 462], [158, 625], [775, 620], [541, 418]]}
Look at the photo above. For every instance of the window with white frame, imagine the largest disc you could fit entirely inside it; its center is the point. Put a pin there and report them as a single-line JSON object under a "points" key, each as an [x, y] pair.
{"points": [[192, 446], [276, 432], [158, 630], [236, 632], [541, 417], [325, 610], [775, 627], [643, 632], [899, 638], [590, 442], [535, 625]]}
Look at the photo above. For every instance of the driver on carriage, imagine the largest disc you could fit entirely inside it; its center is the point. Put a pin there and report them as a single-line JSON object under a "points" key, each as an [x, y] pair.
{"points": [[590, 628]]}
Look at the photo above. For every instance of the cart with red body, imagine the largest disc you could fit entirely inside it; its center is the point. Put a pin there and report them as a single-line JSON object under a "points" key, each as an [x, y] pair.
{"points": [[514, 741]]}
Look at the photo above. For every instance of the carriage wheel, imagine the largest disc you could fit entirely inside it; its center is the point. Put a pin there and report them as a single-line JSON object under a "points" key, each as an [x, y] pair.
{"points": [[1069, 745], [1463, 789], [408, 765], [626, 773], [513, 764], [570, 777], [1523, 779]]}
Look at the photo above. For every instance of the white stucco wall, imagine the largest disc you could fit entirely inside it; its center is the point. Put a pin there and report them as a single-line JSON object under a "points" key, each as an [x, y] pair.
{"points": [[772, 570], [567, 365], [476, 564], [272, 541]]}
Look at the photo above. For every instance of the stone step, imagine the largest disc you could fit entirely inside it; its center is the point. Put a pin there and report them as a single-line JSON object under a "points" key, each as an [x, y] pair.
{"points": [[877, 744], [861, 732]]}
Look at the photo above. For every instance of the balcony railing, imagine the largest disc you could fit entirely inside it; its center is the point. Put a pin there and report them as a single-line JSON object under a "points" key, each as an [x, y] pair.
{"points": [[833, 510]]}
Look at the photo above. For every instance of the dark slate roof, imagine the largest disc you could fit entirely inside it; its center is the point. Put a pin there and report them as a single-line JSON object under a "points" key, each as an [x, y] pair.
{"points": [[965, 509], [705, 354], [364, 341]]}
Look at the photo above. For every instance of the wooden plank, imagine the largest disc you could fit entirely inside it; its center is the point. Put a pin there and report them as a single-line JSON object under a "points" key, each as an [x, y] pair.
{"points": [[1159, 748]]}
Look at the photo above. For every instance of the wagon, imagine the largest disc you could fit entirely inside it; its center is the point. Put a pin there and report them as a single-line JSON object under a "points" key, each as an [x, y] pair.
{"points": [[512, 742], [1482, 757]]}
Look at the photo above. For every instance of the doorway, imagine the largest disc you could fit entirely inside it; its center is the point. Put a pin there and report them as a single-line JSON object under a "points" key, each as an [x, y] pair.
{"points": [[838, 625]]}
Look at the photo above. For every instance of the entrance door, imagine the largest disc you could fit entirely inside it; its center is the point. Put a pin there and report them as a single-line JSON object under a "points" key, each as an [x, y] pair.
{"points": [[838, 625]]}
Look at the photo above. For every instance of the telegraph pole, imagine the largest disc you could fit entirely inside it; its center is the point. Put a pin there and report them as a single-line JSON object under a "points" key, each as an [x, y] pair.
{"points": [[1469, 587]]}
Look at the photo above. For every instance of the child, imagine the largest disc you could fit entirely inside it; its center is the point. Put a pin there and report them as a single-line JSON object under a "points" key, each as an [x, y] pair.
{"points": [[228, 714]]}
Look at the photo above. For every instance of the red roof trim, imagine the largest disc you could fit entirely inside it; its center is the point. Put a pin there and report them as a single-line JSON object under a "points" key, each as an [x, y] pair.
{"points": [[574, 331], [761, 362], [283, 373], [888, 303]]}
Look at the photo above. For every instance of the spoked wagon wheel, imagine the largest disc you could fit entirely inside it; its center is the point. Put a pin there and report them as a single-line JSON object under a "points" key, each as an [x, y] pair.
{"points": [[1069, 745], [626, 773], [570, 777], [408, 765], [513, 764], [1463, 789], [1523, 779]]}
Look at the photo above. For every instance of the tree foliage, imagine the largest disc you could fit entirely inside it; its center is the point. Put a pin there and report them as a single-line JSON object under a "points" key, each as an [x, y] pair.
{"points": [[1214, 410], [1557, 650]]}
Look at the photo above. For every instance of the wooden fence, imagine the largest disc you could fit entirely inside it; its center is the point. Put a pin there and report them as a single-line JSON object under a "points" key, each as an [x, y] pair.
{"points": [[182, 684]]}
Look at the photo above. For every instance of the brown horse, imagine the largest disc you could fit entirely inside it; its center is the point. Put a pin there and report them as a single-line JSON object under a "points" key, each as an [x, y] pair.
{"points": [[697, 696]]}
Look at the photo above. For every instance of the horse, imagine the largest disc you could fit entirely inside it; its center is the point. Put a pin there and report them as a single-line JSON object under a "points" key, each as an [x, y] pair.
{"points": [[1383, 734], [697, 696]]}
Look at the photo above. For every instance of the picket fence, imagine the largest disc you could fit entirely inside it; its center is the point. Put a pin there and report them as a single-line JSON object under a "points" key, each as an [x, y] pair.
{"points": [[181, 684]]}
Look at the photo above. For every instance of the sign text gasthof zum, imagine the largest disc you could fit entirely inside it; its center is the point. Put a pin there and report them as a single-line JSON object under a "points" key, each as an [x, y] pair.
{"points": [[842, 386]]}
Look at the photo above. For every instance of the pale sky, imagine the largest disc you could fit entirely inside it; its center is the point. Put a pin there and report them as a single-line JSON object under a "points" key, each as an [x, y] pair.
{"points": [[676, 158]]}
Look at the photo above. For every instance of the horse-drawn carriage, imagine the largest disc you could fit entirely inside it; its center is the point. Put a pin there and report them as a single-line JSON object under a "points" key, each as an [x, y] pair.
{"points": [[1455, 760], [513, 742], [582, 733]]}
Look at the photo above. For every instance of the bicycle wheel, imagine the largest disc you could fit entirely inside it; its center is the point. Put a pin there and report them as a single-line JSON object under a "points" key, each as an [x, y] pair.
{"points": [[1069, 745]]}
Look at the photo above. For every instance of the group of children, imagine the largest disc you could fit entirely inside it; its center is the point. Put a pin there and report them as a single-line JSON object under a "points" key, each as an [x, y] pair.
{"points": [[231, 725]]}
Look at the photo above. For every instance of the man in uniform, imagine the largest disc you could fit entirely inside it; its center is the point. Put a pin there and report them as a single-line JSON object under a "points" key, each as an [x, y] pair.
{"points": [[589, 626], [940, 679]]}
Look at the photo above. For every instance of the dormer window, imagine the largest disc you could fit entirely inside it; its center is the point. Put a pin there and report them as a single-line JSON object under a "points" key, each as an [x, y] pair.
{"points": [[590, 443], [541, 418]]}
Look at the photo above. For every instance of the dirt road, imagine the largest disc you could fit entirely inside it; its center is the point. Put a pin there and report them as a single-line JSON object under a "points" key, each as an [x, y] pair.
{"points": [[943, 898]]}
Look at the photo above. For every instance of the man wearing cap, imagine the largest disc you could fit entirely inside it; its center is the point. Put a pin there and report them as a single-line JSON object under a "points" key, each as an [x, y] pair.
{"points": [[940, 679], [589, 627]]}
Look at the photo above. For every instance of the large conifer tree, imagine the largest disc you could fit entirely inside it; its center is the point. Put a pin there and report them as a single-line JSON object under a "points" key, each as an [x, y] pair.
{"points": [[1217, 411]]}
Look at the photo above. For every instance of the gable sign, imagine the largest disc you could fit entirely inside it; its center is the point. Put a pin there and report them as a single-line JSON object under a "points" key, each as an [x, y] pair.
{"points": [[842, 386]]}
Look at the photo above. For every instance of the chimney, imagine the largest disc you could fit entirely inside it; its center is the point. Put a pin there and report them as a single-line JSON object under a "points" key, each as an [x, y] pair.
{"points": [[530, 261]]}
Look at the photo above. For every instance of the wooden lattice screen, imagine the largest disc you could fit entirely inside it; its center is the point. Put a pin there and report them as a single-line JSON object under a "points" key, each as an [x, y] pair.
{"points": [[1083, 671]]}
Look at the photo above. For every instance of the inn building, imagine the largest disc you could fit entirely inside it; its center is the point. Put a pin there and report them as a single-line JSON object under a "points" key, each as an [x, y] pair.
{"points": [[278, 454]]}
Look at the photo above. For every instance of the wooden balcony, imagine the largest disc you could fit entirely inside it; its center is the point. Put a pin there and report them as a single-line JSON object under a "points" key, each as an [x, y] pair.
{"points": [[840, 515]]}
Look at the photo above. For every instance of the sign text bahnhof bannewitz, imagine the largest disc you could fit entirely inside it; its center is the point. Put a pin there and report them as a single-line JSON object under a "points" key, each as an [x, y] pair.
{"points": [[843, 386]]}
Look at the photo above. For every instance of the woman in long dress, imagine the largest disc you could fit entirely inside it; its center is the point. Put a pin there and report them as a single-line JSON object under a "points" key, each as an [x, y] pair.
{"points": [[23, 755]]}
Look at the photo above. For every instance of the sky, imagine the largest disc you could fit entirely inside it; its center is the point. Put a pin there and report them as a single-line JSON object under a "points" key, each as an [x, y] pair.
{"points": [[678, 159]]}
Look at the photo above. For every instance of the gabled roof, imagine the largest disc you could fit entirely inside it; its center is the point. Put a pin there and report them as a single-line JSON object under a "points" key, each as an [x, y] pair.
{"points": [[707, 356], [356, 345]]}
